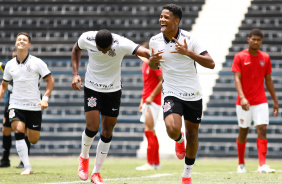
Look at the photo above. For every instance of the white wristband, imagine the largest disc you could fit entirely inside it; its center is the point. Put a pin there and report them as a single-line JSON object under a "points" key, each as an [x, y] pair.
{"points": [[45, 98]]}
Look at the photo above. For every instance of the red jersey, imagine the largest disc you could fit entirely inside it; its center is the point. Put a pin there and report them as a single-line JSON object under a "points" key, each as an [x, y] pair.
{"points": [[253, 70], [151, 80]]}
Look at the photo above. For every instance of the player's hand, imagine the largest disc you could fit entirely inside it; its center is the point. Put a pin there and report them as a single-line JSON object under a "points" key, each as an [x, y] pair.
{"points": [[140, 108], [180, 48], [76, 82], [149, 100], [156, 58], [43, 104], [245, 104], [275, 108]]}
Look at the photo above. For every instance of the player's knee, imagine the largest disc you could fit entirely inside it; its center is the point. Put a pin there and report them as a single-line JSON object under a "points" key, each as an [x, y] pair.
{"points": [[33, 140]]}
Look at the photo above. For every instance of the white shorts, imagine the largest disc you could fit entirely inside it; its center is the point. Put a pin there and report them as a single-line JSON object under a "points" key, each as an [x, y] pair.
{"points": [[155, 109], [257, 113]]}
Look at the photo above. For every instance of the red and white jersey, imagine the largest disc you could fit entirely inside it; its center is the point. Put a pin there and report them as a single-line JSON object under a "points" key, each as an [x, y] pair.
{"points": [[253, 70], [26, 78], [179, 71], [103, 70], [151, 80]]}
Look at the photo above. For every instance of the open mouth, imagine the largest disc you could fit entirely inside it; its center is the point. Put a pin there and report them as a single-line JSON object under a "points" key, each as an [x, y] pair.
{"points": [[163, 28]]}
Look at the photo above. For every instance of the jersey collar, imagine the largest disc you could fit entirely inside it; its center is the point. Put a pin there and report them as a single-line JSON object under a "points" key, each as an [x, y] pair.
{"points": [[176, 37], [24, 61]]}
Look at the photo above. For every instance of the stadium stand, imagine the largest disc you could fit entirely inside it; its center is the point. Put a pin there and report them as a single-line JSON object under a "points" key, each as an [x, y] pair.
{"points": [[221, 114], [56, 27]]}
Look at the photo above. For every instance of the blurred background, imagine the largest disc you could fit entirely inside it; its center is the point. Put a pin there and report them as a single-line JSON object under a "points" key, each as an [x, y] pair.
{"points": [[223, 26]]}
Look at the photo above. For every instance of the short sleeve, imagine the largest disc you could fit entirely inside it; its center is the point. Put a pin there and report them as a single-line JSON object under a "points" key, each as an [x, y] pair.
{"points": [[158, 72], [126, 45], [43, 69], [236, 66], [269, 68], [195, 45], [6, 75]]}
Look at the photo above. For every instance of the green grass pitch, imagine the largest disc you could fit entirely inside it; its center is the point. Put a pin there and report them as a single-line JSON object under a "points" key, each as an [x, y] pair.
{"points": [[119, 170]]}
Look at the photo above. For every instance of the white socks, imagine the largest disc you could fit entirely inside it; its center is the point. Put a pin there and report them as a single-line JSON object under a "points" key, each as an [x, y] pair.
{"points": [[101, 154], [23, 152], [187, 171], [85, 145]]}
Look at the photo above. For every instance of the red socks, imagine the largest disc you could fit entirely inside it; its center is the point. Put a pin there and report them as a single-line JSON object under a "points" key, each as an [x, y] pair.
{"points": [[156, 150], [153, 148], [262, 150], [241, 151]]}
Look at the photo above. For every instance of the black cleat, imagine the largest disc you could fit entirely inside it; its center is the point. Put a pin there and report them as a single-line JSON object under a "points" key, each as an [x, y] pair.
{"points": [[20, 166], [5, 163]]}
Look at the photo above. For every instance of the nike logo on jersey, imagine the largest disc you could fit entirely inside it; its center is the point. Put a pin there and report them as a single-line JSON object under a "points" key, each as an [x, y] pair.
{"points": [[247, 63], [114, 109]]}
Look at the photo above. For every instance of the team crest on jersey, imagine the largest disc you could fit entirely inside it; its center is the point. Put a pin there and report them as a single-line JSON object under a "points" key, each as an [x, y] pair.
{"points": [[112, 53], [28, 68], [166, 106], [241, 121], [92, 102], [262, 63], [12, 113]]}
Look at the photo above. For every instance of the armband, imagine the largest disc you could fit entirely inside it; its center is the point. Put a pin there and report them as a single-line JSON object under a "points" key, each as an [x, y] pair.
{"points": [[45, 98]]}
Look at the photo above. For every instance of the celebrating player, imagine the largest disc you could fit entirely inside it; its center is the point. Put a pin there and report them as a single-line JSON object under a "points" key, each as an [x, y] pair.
{"points": [[177, 51], [102, 91], [25, 103]]}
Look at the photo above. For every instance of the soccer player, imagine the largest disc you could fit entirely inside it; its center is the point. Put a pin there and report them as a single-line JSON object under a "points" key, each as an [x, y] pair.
{"points": [[102, 91], [25, 103], [177, 52], [252, 68], [7, 129], [150, 105]]}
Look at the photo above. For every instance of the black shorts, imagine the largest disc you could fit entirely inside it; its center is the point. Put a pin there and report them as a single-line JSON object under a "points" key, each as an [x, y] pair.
{"points": [[191, 110], [32, 119], [6, 121], [107, 103]]}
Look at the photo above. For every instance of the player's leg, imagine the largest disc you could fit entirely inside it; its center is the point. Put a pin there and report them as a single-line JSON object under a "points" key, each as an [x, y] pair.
{"points": [[7, 144], [261, 120], [150, 135], [173, 110], [7, 138], [109, 114], [192, 112], [21, 165], [244, 119], [21, 147], [92, 105]]}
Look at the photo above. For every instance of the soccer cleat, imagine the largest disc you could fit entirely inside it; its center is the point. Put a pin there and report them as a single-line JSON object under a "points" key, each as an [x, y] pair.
{"points": [[27, 170], [96, 178], [265, 169], [145, 167], [158, 167], [186, 180], [241, 168], [20, 166], [180, 149], [83, 168], [5, 163]]}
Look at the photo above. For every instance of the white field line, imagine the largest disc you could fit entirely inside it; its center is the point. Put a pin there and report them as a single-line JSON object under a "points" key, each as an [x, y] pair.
{"points": [[114, 179]]}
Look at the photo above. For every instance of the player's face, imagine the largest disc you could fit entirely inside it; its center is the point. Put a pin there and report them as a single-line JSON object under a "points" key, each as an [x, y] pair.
{"points": [[104, 51], [22, 42], [168, 22], [254, 42]]}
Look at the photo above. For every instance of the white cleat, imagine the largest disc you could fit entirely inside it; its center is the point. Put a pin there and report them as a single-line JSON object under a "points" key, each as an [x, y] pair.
{"points": [[241, 168], [145, 167], [158, 167], [27, 171], [265, 169]]}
